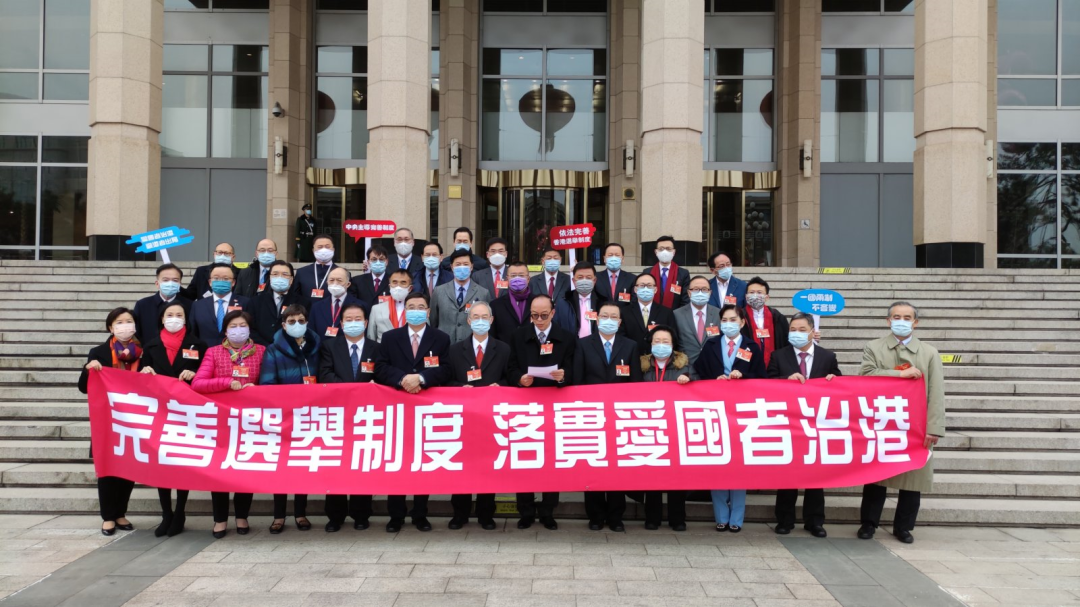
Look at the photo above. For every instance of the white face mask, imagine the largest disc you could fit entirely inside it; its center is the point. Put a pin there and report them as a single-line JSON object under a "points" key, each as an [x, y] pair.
{"points": [[336, 290], [399, 293], [665, 256], [174, 324], [404, 249], [324, 255], [497, 260]]}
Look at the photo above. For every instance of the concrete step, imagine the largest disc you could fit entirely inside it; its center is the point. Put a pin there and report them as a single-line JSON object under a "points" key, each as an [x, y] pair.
{"points": [[959, 422], [44, 451], [1003, 462], [68, 393], [988, 440], [38, 362], [1023, 404], [991, 387], [44, 429], [40, 411]]}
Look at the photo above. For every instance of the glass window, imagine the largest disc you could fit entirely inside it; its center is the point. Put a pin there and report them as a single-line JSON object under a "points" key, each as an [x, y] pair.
{"points": [[185, 57], [743, 6], [63, 206], [67, 87], [577, 6], [899, 61], [1027, 156], [433, 144], [850, 6], [899, 6], [744, 62], [742, 121], [511, 119], [1070, 37], [259, 5], [1039, 202], [343, 60], [1070, 156], [239, 117], [899, 121], [1038, 263], [67, 35], [186, 4], [1027, 214], [849, 62], [1027, 37], [1070, 214], [18, 85], [65, 150], [342, 5], [1026, 92], [576, 114], [18, 201], [183, 116], [1070, 92], [853, 83], [513, 62], [18, 148], [243, 58], [20, 24], [513, 6], [849, 121], [341, 118], [577, 62]]}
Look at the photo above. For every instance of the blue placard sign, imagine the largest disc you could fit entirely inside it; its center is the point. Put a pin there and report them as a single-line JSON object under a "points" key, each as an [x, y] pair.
{"points": [[164, 238], [822, 302]]}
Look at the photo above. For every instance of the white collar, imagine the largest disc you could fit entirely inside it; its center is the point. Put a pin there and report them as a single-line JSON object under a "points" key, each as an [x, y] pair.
{"points": [[476, 343], [809, 351], [359, 343], [226, 298]]}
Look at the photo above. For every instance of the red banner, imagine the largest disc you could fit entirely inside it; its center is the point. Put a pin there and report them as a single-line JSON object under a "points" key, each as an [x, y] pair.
{"points": [[368, 228], [369, 439], [577, 236]]}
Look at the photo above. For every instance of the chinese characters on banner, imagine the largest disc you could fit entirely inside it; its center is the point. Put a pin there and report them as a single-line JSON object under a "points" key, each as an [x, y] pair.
{"points": [[369, 439], [572, 237]]}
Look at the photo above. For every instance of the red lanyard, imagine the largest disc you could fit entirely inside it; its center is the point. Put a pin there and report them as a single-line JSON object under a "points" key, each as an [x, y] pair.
{"points": [[660, 372]]}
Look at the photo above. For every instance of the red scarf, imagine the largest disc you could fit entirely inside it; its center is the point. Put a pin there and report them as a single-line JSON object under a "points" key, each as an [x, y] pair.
{"points": [[125, 357], [770, 341], [667, 298], [172, 342]]}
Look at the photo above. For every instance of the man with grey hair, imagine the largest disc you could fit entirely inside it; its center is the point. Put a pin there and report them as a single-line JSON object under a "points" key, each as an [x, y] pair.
{"points": [[326, 312], [901, 354], [402, 258]]}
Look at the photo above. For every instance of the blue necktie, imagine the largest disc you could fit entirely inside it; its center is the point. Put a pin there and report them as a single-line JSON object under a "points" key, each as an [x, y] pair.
{"points": [[262, 279], [460, 295], [220, 313], [404, 265], [663, 280], [607, 350], [355, 360]]}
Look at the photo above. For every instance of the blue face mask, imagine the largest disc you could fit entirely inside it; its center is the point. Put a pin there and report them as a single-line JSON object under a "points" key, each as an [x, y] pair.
{"points": [[698, 298], [222, 259], [614, 263], [608, 326], [462, 272], [431, 263], [480, 326], [552, 265], [797, 339], [731, 329], [279, 284], [416, 317], [645, 294], [377, 267], [902, 328], [724, 274], [661, 350], [221, 287], [353, 328], [462, 246], [169, 288], [296, 330], [267, 258]]}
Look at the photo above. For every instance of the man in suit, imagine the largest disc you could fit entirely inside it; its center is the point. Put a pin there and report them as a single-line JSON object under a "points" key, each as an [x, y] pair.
{"points": [[266, 307], [800, 361], [494, 278], [253, 278], [765, 325], [348, 358], [698, 321], [432, 275], [541, 344], [606, 358], [670, 278], [374, 284], [311, 279], [147, 310], [582, 305], [412, 358], [512, 309], [551, 281], [326, 312], [390, 313], [463, 241], [402, 257], [208, 313], [613, 284], [477, 361], [199, 287], [451, 303], [726, 289], [642, 314]]}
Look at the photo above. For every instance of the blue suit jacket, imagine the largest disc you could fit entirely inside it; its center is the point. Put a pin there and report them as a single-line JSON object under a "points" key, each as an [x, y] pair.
{"points": [[420, 280], [710, 363], [322, 313], [736, 289], [204, 318], [395, 359]]}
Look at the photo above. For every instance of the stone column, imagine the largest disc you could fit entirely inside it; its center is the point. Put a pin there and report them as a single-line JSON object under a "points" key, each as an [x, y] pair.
{"points": [[799, 118], [459, 85], [990, 250], [290, 61], [950, 133], [624, 122], [124, 176], [672, 37], [399, 89]]}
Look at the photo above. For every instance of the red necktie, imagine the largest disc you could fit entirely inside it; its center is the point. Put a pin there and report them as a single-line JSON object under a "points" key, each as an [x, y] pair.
{"points": [[730, 347], [377, 281], [613, 286], [498, 279], [479, 355], [802, 362], [701, 328], [551, 288]]}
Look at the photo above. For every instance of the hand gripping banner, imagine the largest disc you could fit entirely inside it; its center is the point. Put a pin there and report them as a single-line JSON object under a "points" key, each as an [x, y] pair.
{"points": [[370, 439]]}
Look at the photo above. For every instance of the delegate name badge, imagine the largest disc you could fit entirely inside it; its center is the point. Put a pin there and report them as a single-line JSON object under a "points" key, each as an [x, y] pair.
{"points": [[310, 379], [592, 315], [712, 330], [502, 284], [234, 307], [652, 326], [743, 354], [431, 362], [473, 375], [316, 293], [546, 348], [729, 300], [622, 370], [624, 297], [763, 333], [903, 367], [331, 332], [262, 287], [676, 289], [191, 354], [468, 306], [386, 299], [239, 371], [367, 367]]}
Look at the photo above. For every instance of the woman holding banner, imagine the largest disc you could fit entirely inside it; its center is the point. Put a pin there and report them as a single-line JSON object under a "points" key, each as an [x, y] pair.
{"points": [[174, 352], [121, 351], [234, 365]]}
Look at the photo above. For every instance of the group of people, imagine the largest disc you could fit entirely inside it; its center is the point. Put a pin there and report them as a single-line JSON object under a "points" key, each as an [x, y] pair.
{"points": [[487, 320]]}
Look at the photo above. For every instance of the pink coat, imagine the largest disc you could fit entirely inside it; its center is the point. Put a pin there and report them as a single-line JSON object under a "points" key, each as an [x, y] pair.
{"points": [[215, 372]]}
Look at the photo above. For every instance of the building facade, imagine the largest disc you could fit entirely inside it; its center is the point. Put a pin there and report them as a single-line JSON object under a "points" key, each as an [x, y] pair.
{"points": [[898, 133]]}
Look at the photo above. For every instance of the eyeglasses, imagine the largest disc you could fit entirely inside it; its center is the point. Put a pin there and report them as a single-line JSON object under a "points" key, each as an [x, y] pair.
{"points": [[280, 275], [609, 317], [665, 248], [536, 316], [220, 252], [486, 317], [699, 290], [265, 250], [294, 321]]}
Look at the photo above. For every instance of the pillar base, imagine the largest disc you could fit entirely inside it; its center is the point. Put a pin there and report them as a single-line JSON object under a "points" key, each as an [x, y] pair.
{"points": [[687, 253], [949, 255], [106, 247]]}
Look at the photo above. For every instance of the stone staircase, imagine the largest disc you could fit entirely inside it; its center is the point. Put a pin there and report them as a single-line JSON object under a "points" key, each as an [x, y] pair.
{"points": [[1011, 457]]}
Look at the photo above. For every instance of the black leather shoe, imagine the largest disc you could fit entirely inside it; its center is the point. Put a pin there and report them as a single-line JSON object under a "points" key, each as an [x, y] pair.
{"points": [[678, 527], [302, 523], [177, 526], [422, 524], [816, 530], [488, 524], [905, 536], [110, 531], [596, 526], [125, 527], [163, 527], [361, 525], [457, 523], [394, 525], [866, 532], [332, 527], [734, 528], [525, 522], [220, 534], [617, 527], [651, 526], [549, 523], [243, 530], [782, 529]]}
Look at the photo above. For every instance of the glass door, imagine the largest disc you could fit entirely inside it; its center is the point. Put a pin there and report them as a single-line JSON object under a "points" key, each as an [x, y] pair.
{"points": [[740, 224], [331, 207]]}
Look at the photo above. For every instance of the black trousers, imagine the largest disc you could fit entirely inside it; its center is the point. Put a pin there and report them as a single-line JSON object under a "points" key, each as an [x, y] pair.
{"points": [[396, 505], [220, 503], [113, 496], [873, 502], [485, 505], [813, 507], [527, 508], [340, 506], [281, 501], [676, 507], [165, 497], [605, 506]]}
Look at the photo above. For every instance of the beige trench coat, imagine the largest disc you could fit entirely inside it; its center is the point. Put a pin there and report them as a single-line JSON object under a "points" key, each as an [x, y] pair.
{"points": [[880, 358]]}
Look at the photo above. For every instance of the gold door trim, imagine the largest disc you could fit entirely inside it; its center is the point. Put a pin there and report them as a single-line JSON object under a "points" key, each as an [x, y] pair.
{"points": [[740, 180], [351, 176], [543, 178]]}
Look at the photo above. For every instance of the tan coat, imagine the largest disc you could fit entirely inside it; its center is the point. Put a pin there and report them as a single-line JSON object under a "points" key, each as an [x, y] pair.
{"points": [[880, 358]]}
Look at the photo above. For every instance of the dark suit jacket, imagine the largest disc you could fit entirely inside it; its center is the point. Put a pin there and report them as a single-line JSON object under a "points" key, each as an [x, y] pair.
{"points": [[785, 363], [247, 282], [416, 264], [591, 365], [682, 277], [199, 284], [420, 280], [538, 285], [100, 353], [779, 333], [710, 363], [633, 325], [309, 276], [571, 320], [624, 283], [147, 311], [335, 361], [362, 287], [267, 316], [204, 318], [492, 371], [506, 320], [525, 353], [322, 313], [478, 263], [396, 359], [736, 289], [485, 279], [156, 357]]}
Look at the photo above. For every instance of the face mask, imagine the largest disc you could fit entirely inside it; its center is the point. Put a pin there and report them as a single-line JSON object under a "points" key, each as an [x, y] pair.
{"points": [[552, 265], [267, 258], [354, 328], [399, 293], [731, 329], [518, 284], [169, 288], [307, 212], [608, 326], [462, 246], [404, 249], [238, 335], [377, 267], [724, 274], [698, 298], [661, 350], [902, 328], [279, 284], [480, 327], [431, 263], [462, 272], [336, 290], [614, 263], [174, 324], [584, 286], [797, 339], [755, 300], [222, 259], [324, 255], [645, 294], [221, 287], [416, 317], [665, 256], [124, 331], [297, 330], [497, 260]]}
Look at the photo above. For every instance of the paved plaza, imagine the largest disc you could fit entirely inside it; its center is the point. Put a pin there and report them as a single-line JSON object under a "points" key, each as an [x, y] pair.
{"points": [[63, 560]]}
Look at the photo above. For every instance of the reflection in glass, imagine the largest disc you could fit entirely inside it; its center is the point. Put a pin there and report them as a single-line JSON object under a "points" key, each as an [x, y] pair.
{"points": [[1027, 156], [1070, 37], [341, 117], [18, 85], [187, 4], [899, 121], [1070, 156], [899, 6], [511, 120], [183, 116], [67, 35], [726, 222], [239, 117], [260, 5], [342, 5], [742, 121], [18, 197], [596, 215], [849, 62], [63, 206], [899, 61], [513, 62], [576, 127], [745, 6], [342, 59], [1040, 263], [434, 62], [19, 28], [849, 121], [185, 58], [544, 209], [433, 215], [64, 255], [67, 87], [577, 62], [18, 148], [1026, 92], [850, 6], [64, 150], [242, 58], [433, 144], [1070, 214], [577, 6], [16, 254], [1027, 37], [1070, 263], [1027, 214], [1070, 92], [744, 62], [758, 224], [513, 6]]}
